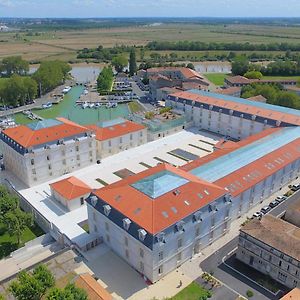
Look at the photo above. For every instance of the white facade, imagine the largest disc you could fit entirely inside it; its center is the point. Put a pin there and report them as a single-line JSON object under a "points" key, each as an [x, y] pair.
{"points": [[115, 145], [158, 259], [43, 163]]}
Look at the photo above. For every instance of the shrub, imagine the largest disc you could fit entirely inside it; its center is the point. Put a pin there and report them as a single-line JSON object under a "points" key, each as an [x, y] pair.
{"points": [[249, 293]]}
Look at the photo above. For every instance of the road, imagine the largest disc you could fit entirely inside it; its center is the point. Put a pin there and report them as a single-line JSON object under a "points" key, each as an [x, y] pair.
{"points": [[231, 278]]}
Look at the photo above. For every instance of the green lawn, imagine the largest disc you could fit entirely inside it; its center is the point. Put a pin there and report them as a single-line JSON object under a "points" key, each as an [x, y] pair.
{"points": [[193, 292], [135, 107], [216, 78], [282, 77], [8, 243]]}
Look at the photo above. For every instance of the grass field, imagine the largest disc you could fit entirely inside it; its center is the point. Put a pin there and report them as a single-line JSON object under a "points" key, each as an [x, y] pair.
{"points": [[192, 292], [282, 77], [8, 243], [64, 44], [216, 78]]}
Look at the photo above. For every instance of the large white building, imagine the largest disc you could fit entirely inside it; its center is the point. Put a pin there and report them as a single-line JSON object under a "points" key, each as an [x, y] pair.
{"points": [[117, 135], [161, 217], [47, 149]]}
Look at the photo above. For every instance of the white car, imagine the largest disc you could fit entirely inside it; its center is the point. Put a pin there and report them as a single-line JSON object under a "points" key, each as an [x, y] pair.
{"points": [[258, 214]]}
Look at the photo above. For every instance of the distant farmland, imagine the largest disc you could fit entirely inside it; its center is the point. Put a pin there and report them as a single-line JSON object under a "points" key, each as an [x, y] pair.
{"points": [[63, 44]]}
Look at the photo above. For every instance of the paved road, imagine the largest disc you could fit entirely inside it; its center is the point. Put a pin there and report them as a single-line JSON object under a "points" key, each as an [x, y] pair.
{"points": [[232, 279]]}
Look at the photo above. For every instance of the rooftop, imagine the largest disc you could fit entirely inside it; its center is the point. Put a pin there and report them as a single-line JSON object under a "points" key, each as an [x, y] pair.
{"points": [[177, 194], [114, 128], [43, 132], [71, 188], [93, 289], [292, 295], [264, 110], [186, 72], [259, 98], [276, 233]]}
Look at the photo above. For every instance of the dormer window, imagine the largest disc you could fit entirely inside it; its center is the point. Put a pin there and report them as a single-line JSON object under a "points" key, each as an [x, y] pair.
{"points": [[161, 237], [142, 234], [94, 200], [213, 207], [180, 226], [107, 209], [126, 223], [198, 216]]}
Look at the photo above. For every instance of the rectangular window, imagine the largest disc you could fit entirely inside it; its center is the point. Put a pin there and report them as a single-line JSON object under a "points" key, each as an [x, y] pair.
{"points": [[109, 143], [141, 266], [141, 252], [106, 226], [121, 139], [77, 148], [179, 257], [160, 256], [127, 253], [32, 162], [160, 270], [78, 157], [81, 201], [197, 231], [179, 243], [48, 157], [107, 238], [95, 228], [126, 241], [131, 136]]}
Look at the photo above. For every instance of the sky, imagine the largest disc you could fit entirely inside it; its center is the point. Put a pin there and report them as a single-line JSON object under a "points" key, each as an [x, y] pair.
{"points": [[149, 8]]}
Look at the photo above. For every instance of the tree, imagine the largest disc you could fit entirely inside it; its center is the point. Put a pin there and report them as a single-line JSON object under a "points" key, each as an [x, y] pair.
{"points": [[16, 222], [142, 53], [132, 62], [253, 75], [240, 65], [298, 82], [32, 286], [105, 79], [8, 202], [190, 66], [14, 65], [119, 62], [70, 292]]}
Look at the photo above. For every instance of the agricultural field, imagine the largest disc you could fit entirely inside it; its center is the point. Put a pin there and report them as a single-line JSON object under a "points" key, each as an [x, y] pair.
{"points": [[63, 44]]}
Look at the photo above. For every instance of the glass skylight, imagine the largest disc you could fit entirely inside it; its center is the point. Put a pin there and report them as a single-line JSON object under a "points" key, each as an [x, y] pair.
{"points": [[159, 184]]}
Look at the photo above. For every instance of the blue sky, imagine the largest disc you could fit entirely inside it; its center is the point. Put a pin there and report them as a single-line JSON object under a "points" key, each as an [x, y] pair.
{"points": [[149, 8]]}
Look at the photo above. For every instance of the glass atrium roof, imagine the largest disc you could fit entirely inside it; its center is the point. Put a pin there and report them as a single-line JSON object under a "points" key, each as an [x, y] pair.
{"points": [[248, 102], [111, 123], [159, 184], [241, 157], [47, 123]]}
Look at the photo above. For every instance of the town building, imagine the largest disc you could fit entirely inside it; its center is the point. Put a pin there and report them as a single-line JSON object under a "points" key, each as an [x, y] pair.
{"points": [[258, 98], [70, 192], [47, 149], [230, 91], [292, 214], [272, 246], [171, 77], [117, 135], [159, 218], [240, 81], [231, 116]]}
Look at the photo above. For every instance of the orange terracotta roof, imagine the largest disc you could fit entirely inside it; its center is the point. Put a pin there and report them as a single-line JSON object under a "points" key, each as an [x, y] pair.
{"points": [[106, 133], [238, 79], [150, 211], [27, 137], [93, 289], [71, 188], [259, 98], [292, 295], [186, 72], [241, 107], [229, 91]]}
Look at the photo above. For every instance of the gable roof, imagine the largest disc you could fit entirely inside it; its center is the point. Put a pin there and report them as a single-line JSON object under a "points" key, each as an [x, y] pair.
{"points": [[276, 233], [115, 130], [94, 290], [264, 110], [169, 202], [43, 132], [71, 188]]}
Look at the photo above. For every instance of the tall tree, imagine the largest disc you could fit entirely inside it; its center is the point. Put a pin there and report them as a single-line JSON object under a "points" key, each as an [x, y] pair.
{"points": [[132, 62], [70, 292], [240, 65], [14, 65], [119, 62], [17, 221], [32, 286]]}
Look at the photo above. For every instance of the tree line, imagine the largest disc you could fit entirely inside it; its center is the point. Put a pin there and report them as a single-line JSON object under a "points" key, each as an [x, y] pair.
{"points": [[105, 79], [234, 46], [274, 93], [19, 89]]}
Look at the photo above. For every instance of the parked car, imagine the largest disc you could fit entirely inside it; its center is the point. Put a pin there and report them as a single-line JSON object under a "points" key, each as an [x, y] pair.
{"points": [[281, 198], [295, 187], [258, 214], [274, 203], [265, 209]]}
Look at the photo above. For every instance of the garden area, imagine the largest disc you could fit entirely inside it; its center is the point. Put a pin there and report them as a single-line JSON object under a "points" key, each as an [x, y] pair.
{"points": [[193, 292], [216, 78], [16, 226]]}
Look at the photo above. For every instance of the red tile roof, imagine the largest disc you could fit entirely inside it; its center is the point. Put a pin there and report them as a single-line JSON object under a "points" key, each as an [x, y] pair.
{"points": [[292, 295], [259, 98], [150, 210], [71, 188], [229, 91], [186, 72], [241, 107], [28, 137], [93, 289], [106, 133], [238, 79]]}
